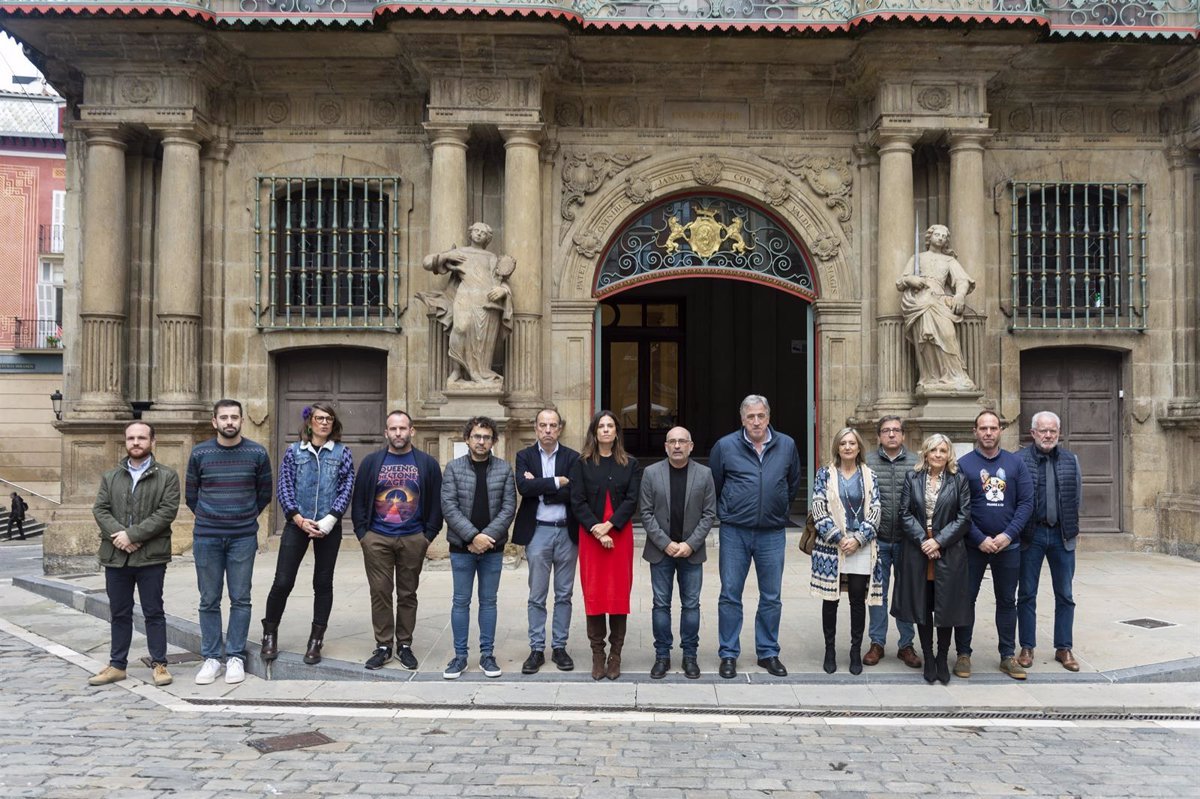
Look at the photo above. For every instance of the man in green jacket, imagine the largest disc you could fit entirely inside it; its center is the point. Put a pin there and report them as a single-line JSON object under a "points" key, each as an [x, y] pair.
{"points": [[137, 502]]}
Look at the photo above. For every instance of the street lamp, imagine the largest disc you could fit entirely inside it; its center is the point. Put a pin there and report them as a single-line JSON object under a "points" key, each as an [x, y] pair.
{"points": [[56, 402]]}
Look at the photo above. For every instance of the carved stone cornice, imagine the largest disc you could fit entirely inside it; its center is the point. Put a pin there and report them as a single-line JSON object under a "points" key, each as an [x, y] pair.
{"points": [[510, 101]]}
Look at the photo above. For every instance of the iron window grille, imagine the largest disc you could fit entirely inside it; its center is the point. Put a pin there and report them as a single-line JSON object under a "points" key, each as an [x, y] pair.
{"points": [[1078, 256], [326, 252]]}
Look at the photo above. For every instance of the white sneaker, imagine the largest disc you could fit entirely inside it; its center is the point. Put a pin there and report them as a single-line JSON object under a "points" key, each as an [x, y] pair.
{"points": [[208, 672], [235, 672]]}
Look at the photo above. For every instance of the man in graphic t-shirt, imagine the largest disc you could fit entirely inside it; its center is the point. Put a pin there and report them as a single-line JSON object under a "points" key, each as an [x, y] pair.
{"points": [[397, 512]]}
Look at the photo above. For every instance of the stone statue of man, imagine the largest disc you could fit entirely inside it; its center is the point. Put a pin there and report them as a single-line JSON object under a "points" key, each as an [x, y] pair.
{"points": [[476, 306], [934, 288]]}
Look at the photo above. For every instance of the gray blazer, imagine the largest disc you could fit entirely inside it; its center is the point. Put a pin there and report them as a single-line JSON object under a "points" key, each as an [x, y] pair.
{"points": [[699, 510]]}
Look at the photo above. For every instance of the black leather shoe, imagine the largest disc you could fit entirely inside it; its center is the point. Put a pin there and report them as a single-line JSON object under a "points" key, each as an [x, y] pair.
{"points": [[773, 666], [660, 668], [691, 669], [535, 661], [562, 660], [728, 668]]}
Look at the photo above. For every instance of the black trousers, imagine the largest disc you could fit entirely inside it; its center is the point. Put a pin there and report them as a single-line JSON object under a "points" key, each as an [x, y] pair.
{"points": [[119, 583], [291, 552]]}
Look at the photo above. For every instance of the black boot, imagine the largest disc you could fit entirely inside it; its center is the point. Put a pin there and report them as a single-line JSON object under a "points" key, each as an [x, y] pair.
{"points": [[316, 639], [270, 641], [858, 621], [829, 628], [943, 655], [930, 666]]}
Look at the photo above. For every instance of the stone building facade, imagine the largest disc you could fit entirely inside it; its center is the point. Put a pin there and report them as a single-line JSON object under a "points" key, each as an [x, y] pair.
{"points": [[251, 190]]}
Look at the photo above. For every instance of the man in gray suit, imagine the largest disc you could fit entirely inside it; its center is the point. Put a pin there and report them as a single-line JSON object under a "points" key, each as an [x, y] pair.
{"points": [[679, 506]]}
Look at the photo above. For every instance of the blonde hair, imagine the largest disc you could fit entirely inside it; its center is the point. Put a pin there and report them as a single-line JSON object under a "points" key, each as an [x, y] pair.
{"points": [[859, 459], [936, 440]]}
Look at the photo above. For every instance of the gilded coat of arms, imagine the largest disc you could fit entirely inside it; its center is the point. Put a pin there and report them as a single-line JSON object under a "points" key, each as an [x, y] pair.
{"points": [[705, 234]]}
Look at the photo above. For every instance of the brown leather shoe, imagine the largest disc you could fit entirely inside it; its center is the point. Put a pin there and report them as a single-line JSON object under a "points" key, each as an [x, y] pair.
{"points": [[1025, 657], [1067, 659], [873, 655], [909, 657]]}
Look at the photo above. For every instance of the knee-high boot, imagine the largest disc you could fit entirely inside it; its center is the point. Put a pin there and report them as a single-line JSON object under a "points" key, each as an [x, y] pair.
{"points": [[858, 621], [616, 641], [829, 627], [925, 632], [595, 633]]}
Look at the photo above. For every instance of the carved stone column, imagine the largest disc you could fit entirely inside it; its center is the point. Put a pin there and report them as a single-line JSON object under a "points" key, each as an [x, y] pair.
{"points": [[448, 187], [214, 164], [894, 248], [968, 207], [105, 279], [523, 241], [177, 285]]}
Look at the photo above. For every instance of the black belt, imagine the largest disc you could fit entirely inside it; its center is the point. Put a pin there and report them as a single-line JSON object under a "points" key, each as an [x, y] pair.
{"points": [[541, 523]]}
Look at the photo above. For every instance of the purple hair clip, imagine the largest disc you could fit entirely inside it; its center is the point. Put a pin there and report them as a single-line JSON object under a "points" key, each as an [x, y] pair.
{"points": [[306, 413]]}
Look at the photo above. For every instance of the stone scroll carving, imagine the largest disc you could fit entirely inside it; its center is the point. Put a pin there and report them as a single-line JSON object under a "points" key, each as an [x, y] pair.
{"points": [[476, 306], [584, 173], [828, 177]]}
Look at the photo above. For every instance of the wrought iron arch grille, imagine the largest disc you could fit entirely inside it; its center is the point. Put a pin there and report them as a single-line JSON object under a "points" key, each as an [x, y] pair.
{"points": [[705, 236]]}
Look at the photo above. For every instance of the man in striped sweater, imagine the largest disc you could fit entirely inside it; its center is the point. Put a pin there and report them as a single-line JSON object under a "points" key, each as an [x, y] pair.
{"points": [[228, 486]]}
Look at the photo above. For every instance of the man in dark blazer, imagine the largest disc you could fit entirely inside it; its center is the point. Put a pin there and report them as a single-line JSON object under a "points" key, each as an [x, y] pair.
{"points": [[679, 506], [547, 529]]}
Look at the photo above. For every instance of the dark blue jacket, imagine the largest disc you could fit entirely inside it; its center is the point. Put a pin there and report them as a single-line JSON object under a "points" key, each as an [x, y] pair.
{"points": [[542, 488], [753, 493], [362, 508], [1070, 490]]}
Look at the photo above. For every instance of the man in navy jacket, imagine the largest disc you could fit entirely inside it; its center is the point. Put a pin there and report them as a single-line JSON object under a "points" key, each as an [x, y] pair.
{"points": [[547, 529], [756, 473]]}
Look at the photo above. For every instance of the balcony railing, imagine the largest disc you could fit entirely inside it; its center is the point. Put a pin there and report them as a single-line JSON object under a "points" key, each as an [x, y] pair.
{"points": [[37, 334], [50, 239], [1102, 18]]}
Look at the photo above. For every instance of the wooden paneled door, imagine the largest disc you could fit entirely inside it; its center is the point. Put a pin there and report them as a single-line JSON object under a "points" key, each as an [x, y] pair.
{"points": [[1083, 386], [352, 378]]}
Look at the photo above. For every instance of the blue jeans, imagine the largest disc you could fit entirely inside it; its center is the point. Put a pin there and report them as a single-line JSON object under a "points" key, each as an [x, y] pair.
{"points": [[889, 558], [230, 561], [119, 583], [739, 546], [690, 577], [1006, 573], [464, 566], [1048, 545], [550, 548]]}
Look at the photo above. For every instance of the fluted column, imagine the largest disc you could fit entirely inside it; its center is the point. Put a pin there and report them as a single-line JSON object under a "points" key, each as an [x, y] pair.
{"points": [[448, 187], [177, 283], [104, 279], [897, 219], [523, 241]]}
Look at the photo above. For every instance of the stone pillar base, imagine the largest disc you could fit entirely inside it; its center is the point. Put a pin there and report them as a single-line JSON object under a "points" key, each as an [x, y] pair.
{"points": [[184, 412], [464, 401], [950, 414]]}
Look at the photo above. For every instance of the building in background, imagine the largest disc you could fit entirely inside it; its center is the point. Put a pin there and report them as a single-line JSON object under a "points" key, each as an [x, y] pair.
{"points": [[704, 200], [33, 168]]}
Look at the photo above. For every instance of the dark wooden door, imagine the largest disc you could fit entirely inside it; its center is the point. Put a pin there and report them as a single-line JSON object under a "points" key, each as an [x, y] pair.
{"points": [[1083, 387], [352, 378]]}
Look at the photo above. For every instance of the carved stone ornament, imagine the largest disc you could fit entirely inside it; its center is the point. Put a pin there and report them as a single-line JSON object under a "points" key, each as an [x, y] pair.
{"points": [[637, 188], [826, 246], [568, 113], [1071, 120], [624, 113], [587, 244], [1121, 120], [483, 93], [778, 189], [585, 173], [830, 178], [934, 98], [788, 117], [384, 112], [329, 112], [277, 110], [138, 91], [708, 169], [1020, 120], [841, 117]]}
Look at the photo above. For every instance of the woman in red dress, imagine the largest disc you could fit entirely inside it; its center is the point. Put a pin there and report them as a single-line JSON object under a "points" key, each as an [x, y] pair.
{"points": [[604, 496]]}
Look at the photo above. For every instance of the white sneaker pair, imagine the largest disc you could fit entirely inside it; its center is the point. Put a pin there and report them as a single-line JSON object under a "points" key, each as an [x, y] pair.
{"points": [[235, 671]]}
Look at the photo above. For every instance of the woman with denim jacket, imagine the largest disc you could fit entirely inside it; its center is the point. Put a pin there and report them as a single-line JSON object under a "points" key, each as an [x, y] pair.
{"points": [[315, 483]]}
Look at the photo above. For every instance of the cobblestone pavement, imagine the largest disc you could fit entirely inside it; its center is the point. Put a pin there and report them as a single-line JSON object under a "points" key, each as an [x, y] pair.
{"points": [[61, 739]]}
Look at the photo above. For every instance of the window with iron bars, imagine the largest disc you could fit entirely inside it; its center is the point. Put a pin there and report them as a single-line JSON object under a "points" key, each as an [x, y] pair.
{"points": [[1078, 256], [326, 252]]}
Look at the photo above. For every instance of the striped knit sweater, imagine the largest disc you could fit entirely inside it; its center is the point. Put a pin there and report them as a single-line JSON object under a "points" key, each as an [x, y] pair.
{"points": [[228, 487]]}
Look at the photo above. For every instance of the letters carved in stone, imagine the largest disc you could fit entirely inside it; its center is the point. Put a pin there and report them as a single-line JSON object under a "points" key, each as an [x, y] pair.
{"points": [[830, 178], [585, 173]]}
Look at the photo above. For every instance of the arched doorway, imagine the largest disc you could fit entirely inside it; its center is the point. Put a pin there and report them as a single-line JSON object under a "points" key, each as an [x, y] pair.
{"points": [[703, 300]]}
